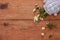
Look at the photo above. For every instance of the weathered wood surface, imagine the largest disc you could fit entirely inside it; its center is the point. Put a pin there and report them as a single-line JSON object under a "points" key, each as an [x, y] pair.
{"points": [[16, 22]]}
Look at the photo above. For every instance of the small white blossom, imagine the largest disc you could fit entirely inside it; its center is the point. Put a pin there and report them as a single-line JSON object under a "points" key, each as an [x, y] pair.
{"points": [[36, 4], [41, 18], [34, 10], [43, 28], [42, 34], [35, 19]]}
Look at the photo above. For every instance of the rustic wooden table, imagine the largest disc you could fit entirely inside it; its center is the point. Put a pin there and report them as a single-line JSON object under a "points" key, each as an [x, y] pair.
{"points": [[16, 22]]}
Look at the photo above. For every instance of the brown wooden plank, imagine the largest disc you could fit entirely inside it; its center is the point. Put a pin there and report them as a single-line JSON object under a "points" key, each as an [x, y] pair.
{"points": [[27, 30], [16, 22], [18, 9], [21, 9]]}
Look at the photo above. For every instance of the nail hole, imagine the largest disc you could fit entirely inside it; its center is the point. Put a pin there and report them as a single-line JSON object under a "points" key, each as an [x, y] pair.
{"points": [[5, 24], [4, 6]]}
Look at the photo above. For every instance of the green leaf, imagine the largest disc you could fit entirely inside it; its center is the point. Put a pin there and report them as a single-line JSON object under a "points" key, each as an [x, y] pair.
{"points": [[43, 13], [50, 26]]}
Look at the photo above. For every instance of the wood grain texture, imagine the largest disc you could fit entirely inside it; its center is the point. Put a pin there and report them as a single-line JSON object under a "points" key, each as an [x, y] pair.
{"points": [[16, 22]]}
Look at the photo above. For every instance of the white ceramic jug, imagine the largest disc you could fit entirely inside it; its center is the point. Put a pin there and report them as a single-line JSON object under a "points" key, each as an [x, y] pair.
{"points": [[52, 6]]}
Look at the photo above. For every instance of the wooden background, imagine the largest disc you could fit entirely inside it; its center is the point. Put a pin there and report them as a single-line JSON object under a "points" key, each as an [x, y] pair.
{"points": [[16, 22]]}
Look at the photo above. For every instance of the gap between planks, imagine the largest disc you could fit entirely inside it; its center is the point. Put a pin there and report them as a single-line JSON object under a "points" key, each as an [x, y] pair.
{"points": [[28, 20]]}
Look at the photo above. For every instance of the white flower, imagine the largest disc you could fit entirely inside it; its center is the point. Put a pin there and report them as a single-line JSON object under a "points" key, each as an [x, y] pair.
{"points": [[42, 34], [36, 4], [34, 10], [43, 28], [41, 18], [35, 19]]}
